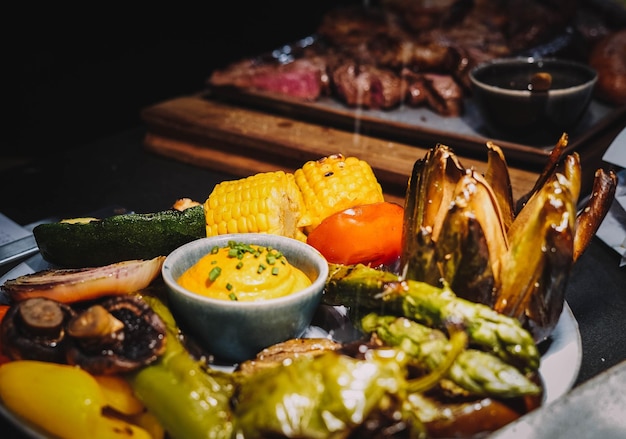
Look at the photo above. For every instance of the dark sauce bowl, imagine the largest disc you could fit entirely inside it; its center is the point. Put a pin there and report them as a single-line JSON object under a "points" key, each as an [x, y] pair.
{"points": [[514, 107]]}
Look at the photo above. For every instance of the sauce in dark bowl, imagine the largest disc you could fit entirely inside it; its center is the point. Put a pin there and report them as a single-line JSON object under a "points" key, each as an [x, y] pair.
{"points": [[510, 77], [512, 110]]}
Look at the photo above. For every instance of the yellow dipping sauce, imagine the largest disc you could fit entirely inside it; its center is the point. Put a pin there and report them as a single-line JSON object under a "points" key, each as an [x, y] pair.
{"points": [[243, 272]]}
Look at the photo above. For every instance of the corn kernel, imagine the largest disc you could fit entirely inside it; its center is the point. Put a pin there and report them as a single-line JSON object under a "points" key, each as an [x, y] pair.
{"points": [[335, 183], [267, 203]]}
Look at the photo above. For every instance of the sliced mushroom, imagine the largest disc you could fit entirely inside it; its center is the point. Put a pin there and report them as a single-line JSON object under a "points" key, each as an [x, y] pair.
{"points": [[117, 335], [34, 329], [290, 349]]}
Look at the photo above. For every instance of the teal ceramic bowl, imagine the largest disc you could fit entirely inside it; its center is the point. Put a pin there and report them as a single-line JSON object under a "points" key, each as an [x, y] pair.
{"points": [[234, 331], [516, 106]]}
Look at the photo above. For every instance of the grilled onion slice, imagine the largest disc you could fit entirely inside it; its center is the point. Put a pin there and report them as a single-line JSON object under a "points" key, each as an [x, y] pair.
{"points": [[78, 284]]}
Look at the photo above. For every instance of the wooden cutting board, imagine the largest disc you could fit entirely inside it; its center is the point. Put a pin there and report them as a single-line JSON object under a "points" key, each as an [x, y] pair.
{"points": [[242, 141]]}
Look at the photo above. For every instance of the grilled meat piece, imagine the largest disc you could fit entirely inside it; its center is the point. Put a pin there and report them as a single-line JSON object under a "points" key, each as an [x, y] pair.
{"points": [[367, 86], [360, 54], [445, 96], [302, 78], [439, 92]]}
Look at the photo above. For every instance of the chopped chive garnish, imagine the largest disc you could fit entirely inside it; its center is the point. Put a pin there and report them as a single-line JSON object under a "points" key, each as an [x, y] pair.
{"points": [[233, 296], [215, 250], [229, 286], [239, 249], [213, 262], [215, 273]]}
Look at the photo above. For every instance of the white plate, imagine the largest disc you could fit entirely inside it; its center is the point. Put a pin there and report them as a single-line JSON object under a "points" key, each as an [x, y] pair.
{"points": [[559, 367]]}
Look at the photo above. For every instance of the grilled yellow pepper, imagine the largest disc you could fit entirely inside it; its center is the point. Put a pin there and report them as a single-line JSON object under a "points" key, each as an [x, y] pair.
{"points": [[62, 400]]}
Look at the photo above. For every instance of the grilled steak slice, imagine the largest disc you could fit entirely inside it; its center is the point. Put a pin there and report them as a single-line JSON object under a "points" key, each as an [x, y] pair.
{"points": [[444, 95], [439, 92], [303, 78], [367, 86]]}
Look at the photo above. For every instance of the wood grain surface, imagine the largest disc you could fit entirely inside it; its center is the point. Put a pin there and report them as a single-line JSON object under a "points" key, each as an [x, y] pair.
{"points": [[243, 142]]}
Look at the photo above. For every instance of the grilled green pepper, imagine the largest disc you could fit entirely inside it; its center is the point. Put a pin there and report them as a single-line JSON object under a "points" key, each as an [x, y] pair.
{"points": [[190, 400], [328, 396]]}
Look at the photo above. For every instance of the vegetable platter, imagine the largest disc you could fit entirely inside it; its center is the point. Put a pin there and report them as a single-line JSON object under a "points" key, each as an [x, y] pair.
{"points": [[454, 330]]}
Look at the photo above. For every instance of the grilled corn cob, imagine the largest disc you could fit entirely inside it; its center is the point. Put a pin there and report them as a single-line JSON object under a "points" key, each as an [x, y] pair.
{"points": [[268, 202], [335, 183]]}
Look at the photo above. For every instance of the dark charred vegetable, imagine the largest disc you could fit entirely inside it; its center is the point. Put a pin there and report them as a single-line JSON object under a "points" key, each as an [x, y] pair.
{"points": [[118, 335], [454, 228], [429, 193], [34, 329], [534, 273], [463, 230], [549, 168], [589, 220], [473, 418], [462, 252]]}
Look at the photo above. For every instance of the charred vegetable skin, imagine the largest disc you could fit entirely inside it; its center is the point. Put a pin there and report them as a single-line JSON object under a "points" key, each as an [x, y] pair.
{"points": [[357, 395], [464, 229], [192, 401], [119, 238]]}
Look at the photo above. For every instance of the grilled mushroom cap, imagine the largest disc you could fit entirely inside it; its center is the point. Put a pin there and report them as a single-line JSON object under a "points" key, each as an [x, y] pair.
{"points": [[117, 335], [34, 329]]}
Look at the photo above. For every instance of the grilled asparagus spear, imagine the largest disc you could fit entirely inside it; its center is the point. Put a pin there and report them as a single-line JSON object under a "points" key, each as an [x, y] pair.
{"points": [[369, 289], [475, 371]]}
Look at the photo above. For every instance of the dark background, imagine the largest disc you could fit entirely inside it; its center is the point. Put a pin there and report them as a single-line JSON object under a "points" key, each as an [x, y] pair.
{"points": [[71, 75], [76, 74]]}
